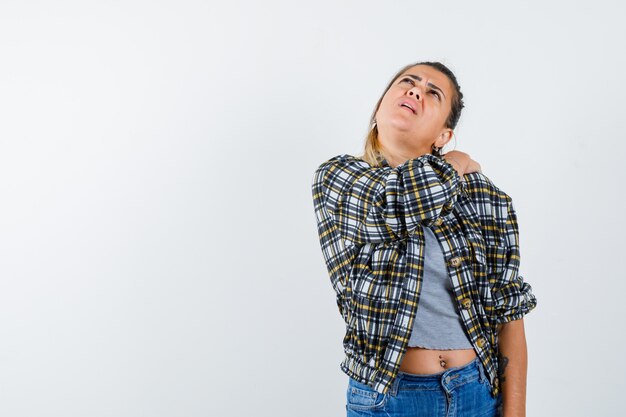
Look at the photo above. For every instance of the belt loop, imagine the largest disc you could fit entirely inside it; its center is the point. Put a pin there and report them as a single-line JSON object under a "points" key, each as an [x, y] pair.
{"points": [[481, 370], [393, 390]]}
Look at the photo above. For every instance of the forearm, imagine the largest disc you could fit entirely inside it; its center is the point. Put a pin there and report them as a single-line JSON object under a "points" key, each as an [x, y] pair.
{"points": [[376, 204], [513, 362]]}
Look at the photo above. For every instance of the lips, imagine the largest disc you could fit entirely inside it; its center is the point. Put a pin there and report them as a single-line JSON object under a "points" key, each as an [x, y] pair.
{"points": [[410, 104]]}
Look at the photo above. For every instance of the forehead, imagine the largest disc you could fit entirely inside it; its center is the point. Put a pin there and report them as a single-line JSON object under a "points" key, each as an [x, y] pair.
{"points": [[431, 75]]}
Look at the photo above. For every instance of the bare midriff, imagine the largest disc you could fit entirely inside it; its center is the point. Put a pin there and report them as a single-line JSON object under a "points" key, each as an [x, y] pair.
{"points": [[418, 360]]}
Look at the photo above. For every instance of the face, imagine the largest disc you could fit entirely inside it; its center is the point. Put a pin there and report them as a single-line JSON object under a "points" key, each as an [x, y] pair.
{"points": [[412, 114]]}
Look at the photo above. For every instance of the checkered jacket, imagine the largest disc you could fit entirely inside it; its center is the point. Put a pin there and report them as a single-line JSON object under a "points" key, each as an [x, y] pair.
{"points": [[368, 222]]}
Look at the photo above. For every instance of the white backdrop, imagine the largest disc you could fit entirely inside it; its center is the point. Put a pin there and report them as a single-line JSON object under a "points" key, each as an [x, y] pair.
{"points": [[159, 255]]}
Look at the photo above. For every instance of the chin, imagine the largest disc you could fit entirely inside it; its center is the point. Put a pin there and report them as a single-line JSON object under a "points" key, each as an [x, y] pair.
{"points": [[402, 124]]}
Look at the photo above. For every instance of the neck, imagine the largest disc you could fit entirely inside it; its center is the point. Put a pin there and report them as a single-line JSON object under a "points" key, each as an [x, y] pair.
{"points": [[403, 149], [398, 156]]}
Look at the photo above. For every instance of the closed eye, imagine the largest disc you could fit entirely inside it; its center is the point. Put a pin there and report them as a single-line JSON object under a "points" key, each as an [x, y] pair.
{"points": [[431, 91]]}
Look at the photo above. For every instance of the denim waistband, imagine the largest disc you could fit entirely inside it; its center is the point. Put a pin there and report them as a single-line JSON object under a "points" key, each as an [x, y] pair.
{"points": [[448, 379]]}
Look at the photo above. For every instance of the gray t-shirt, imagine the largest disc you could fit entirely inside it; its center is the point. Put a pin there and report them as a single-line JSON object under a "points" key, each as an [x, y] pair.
{"points": [[438, 323]]}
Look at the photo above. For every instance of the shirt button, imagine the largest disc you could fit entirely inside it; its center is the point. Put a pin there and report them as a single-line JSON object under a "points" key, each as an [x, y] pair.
{"points": [[466, 302], [481, 342], [456, 261], [438, 221]]}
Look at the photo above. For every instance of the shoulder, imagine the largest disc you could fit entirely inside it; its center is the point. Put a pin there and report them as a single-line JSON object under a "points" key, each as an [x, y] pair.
{"points": [[479, 186], [342, 160], [343, 168], [490, 201]]}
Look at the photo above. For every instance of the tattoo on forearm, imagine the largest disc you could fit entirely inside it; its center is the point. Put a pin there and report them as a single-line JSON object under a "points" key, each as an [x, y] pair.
{"points": [[502, 362]]}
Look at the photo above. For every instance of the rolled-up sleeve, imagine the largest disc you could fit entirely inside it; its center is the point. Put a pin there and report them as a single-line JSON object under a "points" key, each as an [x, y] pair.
{"points": [[513, 296], [377, 204]]}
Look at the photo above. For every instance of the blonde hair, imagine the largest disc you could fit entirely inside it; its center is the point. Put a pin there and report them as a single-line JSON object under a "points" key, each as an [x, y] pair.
{"points": [[372, 152]]}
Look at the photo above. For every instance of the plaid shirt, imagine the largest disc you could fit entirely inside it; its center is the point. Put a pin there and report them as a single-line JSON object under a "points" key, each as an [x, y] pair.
{"points": [[368, 224]]}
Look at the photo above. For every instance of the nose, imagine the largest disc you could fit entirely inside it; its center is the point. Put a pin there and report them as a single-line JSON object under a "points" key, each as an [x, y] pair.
{"points": [[415, 92]]}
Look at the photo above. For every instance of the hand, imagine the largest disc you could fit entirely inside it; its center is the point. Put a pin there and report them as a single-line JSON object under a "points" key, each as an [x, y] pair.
{"points": [[462, 162]]}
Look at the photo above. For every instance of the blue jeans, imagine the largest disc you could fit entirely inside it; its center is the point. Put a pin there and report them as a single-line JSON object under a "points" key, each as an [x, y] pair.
{"points": [[456, 392]]}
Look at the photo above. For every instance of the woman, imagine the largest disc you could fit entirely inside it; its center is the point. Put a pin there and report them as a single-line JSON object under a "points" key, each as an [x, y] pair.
{"points": [[423, 253]]}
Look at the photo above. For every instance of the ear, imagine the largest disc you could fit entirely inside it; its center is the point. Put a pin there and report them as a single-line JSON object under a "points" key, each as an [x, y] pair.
{"points": [[444, 137]]}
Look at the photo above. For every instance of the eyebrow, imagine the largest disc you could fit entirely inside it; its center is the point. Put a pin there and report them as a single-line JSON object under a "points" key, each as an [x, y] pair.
{"points": [[418, 78]]}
